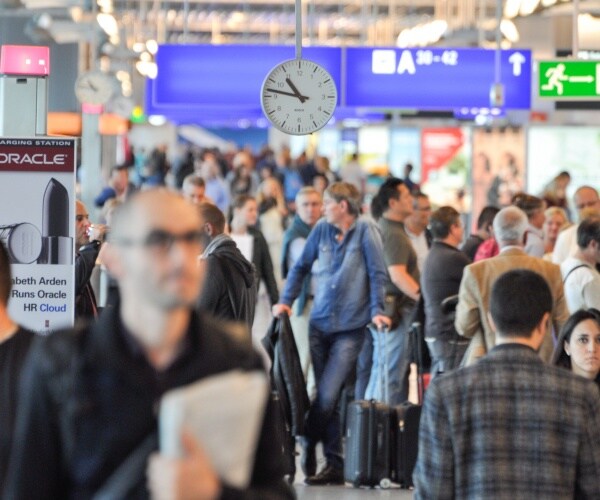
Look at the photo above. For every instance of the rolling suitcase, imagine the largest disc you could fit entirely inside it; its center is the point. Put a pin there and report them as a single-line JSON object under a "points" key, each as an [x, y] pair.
{"points": [[408, 416], [369, 436]]}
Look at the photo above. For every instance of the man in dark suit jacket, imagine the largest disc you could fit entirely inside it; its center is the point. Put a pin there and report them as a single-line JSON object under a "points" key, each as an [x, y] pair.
{"points": [[511, 426]]}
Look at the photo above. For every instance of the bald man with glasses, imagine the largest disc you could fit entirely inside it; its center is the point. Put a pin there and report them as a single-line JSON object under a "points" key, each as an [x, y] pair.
{"points": [[587, 203], [89, 401]]}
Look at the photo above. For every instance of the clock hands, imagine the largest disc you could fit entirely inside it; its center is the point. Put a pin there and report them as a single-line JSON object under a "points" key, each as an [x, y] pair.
{"points": [[296, 91], [299, 96]]}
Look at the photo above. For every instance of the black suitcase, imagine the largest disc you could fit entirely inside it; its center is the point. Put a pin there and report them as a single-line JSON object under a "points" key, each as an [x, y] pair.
{"points": [[370, 435], [369, 442], [408, 416]]}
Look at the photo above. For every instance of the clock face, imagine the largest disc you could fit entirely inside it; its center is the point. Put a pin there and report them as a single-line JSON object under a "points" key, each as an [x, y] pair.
{"points": [[94, 87], [298, 97], [121, 105]]}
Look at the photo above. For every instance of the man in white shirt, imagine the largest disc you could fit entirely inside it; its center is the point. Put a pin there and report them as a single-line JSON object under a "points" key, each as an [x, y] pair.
{"points": [[353, 173], [587, 203], [581, 280], [416, 228]]}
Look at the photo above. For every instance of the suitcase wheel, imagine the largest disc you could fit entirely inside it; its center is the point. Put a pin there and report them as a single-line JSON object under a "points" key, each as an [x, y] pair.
{"points": [[385, 483]]}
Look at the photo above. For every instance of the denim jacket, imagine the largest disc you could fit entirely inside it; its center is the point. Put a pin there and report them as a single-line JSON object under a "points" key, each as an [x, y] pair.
{"points": [[350, 276]]}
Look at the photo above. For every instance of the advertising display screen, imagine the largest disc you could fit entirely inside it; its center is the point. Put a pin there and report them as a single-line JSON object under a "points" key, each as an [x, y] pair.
{"points": [[38, 229], [435, 78], [498, 170], [405, 147], [373, 149], [554, 149], [446, 166]]}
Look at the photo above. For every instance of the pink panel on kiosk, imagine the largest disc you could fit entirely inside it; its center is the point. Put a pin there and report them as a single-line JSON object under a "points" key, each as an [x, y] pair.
{"points": [[24, 60], [92, 109]]}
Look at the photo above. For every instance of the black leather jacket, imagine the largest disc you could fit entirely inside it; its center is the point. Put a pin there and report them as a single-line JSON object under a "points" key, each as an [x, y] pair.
{"points": [[286, 373], [89, 398]]}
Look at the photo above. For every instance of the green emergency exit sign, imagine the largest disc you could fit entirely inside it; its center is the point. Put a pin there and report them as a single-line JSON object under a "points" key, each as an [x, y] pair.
{"points": [[569, 79]]}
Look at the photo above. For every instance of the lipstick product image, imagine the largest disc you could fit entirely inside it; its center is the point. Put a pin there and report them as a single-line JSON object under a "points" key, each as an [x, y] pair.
{"points": [[57, 246], [23, 242]]}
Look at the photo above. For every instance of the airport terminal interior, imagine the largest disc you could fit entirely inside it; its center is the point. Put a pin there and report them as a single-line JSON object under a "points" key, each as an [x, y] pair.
{"points": [[482, 98]]}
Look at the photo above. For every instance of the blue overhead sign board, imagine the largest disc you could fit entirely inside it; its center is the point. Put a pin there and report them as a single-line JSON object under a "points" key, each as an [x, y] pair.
{"points": [[200, 77], [435, 78]]}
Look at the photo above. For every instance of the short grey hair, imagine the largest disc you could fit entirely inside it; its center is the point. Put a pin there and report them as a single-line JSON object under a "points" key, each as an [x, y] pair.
{"points": [[510, 225]]}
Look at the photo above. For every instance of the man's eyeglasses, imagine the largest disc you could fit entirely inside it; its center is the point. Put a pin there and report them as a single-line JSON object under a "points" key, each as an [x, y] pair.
{"points": [[162, 241]]}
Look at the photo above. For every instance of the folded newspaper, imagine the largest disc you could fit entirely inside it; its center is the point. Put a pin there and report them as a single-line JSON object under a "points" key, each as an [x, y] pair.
{"points": [[225, 413]]}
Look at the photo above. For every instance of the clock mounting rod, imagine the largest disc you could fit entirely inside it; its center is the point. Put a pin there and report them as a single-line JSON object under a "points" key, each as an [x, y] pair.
{"points": [[298, 13]]}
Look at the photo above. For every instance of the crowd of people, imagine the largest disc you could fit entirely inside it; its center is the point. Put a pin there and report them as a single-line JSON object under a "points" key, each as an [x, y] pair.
{"points": [[245, 240]]}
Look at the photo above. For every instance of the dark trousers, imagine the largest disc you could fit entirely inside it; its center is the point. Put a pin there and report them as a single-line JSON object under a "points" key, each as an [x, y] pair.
{"points": [[446, 355], [334, 357]]}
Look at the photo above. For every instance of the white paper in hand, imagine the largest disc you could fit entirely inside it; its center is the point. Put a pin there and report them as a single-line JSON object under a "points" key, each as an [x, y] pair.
{"points": [[225, 413]]}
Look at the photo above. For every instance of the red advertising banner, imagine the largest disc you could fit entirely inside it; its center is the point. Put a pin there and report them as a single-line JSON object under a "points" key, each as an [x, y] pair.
{"points": [[37, 155], [445, 165], [438, 147]]}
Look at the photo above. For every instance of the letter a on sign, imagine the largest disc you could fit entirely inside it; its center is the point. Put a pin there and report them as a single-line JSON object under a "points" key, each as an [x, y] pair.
{"points": [[406, 64]]}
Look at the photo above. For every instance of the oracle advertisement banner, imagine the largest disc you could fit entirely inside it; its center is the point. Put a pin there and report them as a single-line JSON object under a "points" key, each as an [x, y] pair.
{"points": [[445, 166], [37, 226]]}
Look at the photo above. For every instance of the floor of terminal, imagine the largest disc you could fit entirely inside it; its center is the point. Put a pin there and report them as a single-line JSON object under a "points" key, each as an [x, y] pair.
{"points": [[346, 492]]}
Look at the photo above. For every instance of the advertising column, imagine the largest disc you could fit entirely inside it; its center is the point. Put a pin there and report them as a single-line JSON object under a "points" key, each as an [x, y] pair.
{"points": [[37, 225]]}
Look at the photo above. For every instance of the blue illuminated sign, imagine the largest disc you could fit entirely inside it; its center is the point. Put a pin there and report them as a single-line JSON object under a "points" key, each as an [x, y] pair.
{"points": [[436, 78], [222, 76]]}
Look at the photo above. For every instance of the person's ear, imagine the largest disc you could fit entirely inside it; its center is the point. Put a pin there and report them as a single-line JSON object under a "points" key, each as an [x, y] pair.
{"points": [[567, 348], [209, 229], [542, 327]]}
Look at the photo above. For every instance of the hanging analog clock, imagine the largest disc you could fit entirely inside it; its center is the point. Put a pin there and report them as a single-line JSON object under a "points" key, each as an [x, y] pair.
{"points": [[298, 96]]}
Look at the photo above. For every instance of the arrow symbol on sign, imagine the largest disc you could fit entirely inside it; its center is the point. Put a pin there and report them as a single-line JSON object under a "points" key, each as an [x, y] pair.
{"points": [[517, 60], [581, 79]]}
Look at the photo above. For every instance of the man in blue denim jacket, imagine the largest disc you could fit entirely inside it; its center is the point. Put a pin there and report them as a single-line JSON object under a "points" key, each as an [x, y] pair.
{"points": [[350, 278]]}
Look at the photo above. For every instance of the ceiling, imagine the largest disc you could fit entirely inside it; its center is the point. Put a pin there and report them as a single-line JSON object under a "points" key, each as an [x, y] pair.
{"points": [[326, 22]]}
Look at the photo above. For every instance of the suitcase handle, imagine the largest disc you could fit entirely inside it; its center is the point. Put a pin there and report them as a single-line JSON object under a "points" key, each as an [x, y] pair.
{"points": [[382, 355]]}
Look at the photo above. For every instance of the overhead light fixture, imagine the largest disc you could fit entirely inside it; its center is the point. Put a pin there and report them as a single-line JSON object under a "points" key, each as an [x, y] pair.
{"points": [[509, 30], [511, 8], [528, 7], [105, 5], [148, 69], [108, 23], [157, 120], [152, 46], [423, 34]]}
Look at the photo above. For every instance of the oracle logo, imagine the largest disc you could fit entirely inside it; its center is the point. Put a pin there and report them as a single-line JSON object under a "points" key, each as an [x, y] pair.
{"points": [[32, 159]]}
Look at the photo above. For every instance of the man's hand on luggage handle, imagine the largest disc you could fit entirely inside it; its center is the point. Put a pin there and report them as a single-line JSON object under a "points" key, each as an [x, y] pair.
{"points": [[189, 478], [278, 309], [381, 321]]}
